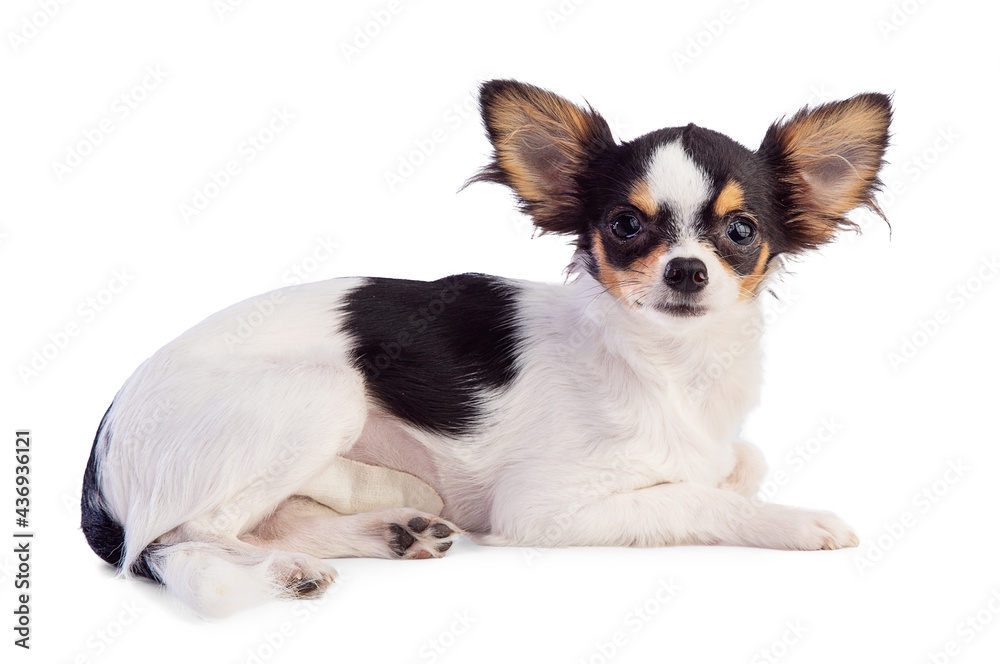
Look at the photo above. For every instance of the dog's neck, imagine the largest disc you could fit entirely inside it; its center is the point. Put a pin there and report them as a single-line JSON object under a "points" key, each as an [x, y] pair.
{"points": [[714, 363]]}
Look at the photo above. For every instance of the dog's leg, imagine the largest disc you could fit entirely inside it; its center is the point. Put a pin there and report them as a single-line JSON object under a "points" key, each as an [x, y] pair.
{"points": [[748, 472], [668, 514], [302, 524], [216, 575]]}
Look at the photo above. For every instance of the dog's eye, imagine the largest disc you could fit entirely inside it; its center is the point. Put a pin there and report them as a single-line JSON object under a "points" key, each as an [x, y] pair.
{"points": [[625, 226], [741, 231]]}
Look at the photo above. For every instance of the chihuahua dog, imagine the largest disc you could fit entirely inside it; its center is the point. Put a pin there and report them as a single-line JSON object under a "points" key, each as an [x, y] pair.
{"points": [[595, 412]]}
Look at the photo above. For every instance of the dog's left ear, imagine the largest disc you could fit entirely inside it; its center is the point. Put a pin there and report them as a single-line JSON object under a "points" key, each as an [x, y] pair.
{"points": [[542, 143], [827, 161]]}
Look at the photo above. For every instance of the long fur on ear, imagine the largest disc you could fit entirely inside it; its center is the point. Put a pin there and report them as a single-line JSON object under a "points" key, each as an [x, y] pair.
{"points": [[541, 144], [827, 160]]}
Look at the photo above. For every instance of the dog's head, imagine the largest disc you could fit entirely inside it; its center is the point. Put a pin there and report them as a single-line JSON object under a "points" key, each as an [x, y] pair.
{"points": [[684, 222]]}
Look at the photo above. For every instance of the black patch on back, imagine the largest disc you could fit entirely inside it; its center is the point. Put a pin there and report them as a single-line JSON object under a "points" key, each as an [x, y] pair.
{"points": [[430, 351], [105, 535]]}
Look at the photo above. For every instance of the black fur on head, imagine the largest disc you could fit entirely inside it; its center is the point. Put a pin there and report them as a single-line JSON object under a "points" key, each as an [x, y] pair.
{"points": [[572, 177]]}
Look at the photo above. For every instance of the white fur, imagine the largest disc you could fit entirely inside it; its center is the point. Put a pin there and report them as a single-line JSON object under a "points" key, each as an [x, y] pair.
{"points": [[609, 435], [676, 181]]}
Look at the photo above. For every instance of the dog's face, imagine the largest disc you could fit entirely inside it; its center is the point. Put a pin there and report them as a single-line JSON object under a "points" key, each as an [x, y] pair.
{"points": [[684, 222]]}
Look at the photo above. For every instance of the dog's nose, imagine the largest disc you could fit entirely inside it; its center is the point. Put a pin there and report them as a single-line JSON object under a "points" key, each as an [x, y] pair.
{"points": [[686, 275]]}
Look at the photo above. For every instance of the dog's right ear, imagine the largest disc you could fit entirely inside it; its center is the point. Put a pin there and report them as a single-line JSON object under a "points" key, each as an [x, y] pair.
{"points": [[827, 161], [542, 143]]}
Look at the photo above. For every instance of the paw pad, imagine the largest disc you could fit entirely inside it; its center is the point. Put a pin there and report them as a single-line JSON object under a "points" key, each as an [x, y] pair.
{"points": [[421, 537]]}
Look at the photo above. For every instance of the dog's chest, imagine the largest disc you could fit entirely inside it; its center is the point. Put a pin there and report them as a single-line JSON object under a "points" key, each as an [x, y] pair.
{"points": [[685, 436], [686, 406]]}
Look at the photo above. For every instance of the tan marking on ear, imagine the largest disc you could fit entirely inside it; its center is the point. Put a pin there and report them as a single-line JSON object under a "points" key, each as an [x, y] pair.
{"points": [[729, 199], [521, 178], [542, 142], [751, 282], [642, 198], [836, 152], [838, 149]]}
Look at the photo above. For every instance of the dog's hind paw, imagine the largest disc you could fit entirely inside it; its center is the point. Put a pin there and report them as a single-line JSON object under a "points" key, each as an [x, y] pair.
{"points": [[420, 536], [302, 577]]}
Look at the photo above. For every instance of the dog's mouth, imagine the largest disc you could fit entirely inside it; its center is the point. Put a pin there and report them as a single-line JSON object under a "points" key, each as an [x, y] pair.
{"points": [[680, 310]]}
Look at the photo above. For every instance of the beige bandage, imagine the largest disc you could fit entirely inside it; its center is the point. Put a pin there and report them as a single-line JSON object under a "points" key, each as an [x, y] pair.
{"points": [[352, 487]]}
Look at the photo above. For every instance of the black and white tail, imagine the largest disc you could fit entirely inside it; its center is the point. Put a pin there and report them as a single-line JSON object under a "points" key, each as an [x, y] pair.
{"points": [[105, 535]]}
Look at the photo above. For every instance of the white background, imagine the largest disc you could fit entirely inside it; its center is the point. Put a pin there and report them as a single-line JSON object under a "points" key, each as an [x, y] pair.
{"points": [[891, 430]]}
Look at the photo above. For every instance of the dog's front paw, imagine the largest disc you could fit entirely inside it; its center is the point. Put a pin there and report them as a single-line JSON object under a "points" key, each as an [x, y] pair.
{"points": [[419, 535], [828, 531], [806, 530]]}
